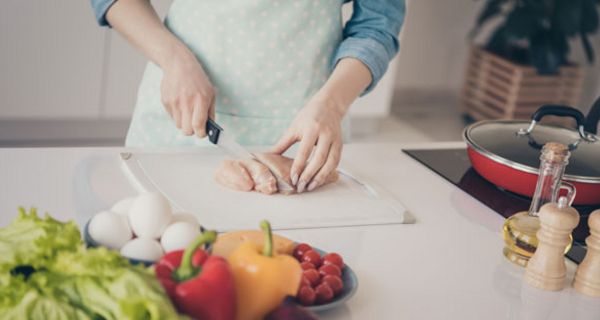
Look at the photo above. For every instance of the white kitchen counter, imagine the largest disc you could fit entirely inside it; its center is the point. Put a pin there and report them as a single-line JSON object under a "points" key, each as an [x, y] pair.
{"points": [[448, 265]]}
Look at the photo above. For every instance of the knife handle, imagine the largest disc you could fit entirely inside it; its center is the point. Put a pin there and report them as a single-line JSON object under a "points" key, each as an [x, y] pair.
{"points": [[213, 130]]}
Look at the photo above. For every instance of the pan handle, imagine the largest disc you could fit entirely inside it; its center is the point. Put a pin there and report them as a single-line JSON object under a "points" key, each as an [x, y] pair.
{"points": [[562, 111], [593, 117]]}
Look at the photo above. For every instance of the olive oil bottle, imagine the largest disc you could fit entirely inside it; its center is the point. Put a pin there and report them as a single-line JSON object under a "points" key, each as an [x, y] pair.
{"points": [[520, 230]]}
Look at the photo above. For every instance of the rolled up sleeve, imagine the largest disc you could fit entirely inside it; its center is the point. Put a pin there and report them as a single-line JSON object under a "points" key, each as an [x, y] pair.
{"points": [[371, 35], [100, 8]]}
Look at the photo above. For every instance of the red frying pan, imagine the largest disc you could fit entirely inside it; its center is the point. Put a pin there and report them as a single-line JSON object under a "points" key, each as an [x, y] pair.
{"points": [[506, 152]]}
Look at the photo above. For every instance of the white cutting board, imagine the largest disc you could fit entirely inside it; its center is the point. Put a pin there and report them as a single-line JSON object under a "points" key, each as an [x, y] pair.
{"points": [[187, 180]]}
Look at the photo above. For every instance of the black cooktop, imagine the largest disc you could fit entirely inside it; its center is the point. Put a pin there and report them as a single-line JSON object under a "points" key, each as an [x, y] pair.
{"points": [[454, 165]]}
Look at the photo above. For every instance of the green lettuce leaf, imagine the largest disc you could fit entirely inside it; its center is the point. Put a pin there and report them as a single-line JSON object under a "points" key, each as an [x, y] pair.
{"points": [[36, 306], [46, 272], [24, 299], [107, 285], [31, 240]]}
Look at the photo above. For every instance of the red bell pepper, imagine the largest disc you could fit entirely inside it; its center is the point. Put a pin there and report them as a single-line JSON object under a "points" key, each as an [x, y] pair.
{"points": [[199, 285]]}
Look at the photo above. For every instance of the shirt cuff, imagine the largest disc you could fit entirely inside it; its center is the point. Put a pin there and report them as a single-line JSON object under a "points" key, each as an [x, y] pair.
{"points": [[100, 9], [370, 52]]}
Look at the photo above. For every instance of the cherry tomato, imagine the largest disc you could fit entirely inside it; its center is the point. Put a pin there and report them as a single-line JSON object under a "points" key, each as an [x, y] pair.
{"points": [[334, 258], [334, 282], [324, 293], [305, 282], [312, 275], [299, 250], [330, 269], [307, 265], [313, 257], [306, 295]]}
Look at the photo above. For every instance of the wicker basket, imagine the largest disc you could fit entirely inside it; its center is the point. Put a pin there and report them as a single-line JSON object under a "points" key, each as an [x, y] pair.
{"points": [[496, 88]]}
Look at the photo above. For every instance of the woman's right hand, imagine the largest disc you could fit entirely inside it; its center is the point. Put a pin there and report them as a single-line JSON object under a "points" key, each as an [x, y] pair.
{"points": [[187, 94]]}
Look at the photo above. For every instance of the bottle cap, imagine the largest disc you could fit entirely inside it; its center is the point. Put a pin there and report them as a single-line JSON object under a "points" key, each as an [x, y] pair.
{"points": [[555, 152]]}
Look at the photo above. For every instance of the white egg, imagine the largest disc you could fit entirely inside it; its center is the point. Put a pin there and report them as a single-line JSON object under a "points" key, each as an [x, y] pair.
{"points": [[123, 206], [110, 230], [178, 235], [186, 217], [149, 215], [142, 249]]}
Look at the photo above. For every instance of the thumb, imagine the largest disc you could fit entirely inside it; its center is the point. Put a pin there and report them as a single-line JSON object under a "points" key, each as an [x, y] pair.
{"points": [[286, 141]]}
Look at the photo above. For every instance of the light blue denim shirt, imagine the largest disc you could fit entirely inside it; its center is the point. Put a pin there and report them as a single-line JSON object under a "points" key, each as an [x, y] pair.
{"points": [[371, 35]]}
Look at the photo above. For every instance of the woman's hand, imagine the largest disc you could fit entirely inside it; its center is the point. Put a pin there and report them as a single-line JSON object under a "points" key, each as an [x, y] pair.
{"points": [[188, 95], [318, 125], [186, 91], [318, 128]]}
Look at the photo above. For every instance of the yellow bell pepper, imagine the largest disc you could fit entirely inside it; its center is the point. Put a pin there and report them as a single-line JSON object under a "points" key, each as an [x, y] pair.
{"points": [[262, 279]]}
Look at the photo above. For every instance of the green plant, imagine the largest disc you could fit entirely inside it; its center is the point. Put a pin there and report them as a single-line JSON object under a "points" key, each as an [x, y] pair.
{"points": [[537, 32]]}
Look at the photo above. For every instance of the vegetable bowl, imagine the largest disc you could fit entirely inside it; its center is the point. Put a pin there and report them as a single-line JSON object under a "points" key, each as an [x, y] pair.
{"points": [[145, 230], [326, 282], [350, 287]]}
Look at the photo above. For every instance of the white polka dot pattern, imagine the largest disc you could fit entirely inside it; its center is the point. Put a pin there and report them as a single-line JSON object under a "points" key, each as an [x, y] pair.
{"points": [[266, 57]]}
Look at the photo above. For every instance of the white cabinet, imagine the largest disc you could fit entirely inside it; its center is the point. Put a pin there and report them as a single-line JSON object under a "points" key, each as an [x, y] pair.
{"points": [[51, 59]]}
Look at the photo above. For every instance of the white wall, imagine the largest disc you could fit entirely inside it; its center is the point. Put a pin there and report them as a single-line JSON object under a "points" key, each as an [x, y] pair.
{"points": [[51, 59], [433, 44], [434, 48]]}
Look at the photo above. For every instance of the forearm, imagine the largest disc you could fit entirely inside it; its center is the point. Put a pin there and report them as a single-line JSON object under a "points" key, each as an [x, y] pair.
{"points": [[138, 22], [349, 79], [371, 35]]}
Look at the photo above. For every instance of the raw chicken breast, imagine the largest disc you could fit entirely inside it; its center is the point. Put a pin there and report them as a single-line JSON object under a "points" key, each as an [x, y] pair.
{"points": [[279, 165], [268, 176], [232, 174], [246, 175], [264, 181]]}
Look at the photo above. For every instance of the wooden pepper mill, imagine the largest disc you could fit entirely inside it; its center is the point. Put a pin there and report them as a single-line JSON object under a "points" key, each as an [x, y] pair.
{"points": [[546, 270], [587, 278]]}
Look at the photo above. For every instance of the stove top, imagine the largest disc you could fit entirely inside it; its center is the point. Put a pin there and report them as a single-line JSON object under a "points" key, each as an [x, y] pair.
{"points": [[454, 165]]}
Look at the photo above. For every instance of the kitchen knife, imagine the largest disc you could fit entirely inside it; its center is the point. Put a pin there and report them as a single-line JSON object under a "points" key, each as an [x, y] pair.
{"points": [[219, 137]]}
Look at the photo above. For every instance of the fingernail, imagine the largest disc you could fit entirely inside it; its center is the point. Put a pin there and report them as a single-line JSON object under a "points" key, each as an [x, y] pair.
{"points": [[295, 179], [301, 186], [312, 186]]}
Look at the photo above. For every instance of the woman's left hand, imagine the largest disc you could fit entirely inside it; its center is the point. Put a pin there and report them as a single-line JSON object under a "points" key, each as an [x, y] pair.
{"points": [[318, 128]]}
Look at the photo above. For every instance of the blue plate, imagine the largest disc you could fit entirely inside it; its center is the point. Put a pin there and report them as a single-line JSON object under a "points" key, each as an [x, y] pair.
{"points": [[350, 286]]}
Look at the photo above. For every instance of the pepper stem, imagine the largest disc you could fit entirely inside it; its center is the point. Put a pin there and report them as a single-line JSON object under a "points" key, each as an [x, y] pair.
{"points": [[268, 248], [186, 270]]}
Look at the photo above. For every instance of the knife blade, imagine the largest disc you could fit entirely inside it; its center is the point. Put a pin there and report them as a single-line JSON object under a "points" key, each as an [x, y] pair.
{"points": [[220, 138]]}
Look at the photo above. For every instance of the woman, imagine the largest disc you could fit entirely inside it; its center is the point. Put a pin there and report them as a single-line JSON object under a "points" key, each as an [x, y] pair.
{"points": [[275, 72]]}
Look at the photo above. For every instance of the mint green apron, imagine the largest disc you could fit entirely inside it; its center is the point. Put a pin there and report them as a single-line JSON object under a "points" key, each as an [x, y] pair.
{"points": [[266, 58]]}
